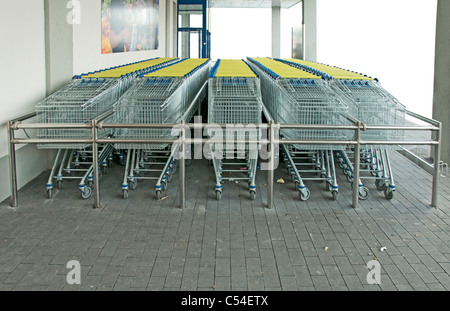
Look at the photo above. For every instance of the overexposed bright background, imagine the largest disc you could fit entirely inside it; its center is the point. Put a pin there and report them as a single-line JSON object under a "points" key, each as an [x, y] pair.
{"points": [[392, 40]]}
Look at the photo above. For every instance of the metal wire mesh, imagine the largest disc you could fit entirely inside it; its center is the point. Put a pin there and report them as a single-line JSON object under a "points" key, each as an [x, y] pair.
{"points": [[81, 101], [160, 100], [305, 101], [234, 101], [372, 105]]}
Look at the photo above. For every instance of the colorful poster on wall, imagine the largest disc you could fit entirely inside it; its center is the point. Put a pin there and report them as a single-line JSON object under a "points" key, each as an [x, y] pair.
{"points": [[129, 25]]}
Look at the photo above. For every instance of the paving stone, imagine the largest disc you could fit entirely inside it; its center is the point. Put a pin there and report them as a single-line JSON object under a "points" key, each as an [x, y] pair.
{"points": [[232, 244]]}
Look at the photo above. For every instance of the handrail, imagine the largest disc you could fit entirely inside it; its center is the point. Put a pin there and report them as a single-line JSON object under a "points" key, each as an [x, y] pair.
{"points": [[99, 123]]}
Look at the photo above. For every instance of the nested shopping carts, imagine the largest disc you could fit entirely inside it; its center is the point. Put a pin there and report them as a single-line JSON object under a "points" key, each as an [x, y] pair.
{"points": [[162, 97], [372, 105], [81, 101], [295, 96], [234, 98]]}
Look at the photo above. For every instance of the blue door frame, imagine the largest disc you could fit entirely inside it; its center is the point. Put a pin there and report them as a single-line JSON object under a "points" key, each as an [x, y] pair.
{"points": [[205, 35]]}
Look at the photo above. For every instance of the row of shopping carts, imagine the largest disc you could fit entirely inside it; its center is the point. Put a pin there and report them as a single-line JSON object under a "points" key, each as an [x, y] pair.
{"points": [[234, 98], [161, 91], [85, 98], [301, 92], [160, 97]]}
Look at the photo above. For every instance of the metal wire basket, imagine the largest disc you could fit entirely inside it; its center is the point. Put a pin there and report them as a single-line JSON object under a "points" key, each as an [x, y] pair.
{"points": [[78, 102]]}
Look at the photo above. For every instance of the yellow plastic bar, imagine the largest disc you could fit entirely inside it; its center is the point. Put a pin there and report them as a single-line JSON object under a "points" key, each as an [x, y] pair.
{"points": [[123, 70], [234, 68], [336, 73], [180, 69], [284, 70]]}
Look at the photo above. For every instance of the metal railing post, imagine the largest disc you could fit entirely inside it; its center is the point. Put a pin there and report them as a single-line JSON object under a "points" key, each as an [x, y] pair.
{"points": [[357, 151], [436, 173], [95, 165], [271, 166], [182, 166], [12, 166]]}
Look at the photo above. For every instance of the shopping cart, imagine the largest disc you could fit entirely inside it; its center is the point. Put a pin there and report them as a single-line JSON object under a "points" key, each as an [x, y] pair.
{"points": [[162, 96], [85, 98], [295, 96], [234, 97], [371, 104]]}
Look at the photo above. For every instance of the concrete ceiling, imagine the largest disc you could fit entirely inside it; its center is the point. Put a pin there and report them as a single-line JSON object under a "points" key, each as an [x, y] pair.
{"points": [[285, 4]]}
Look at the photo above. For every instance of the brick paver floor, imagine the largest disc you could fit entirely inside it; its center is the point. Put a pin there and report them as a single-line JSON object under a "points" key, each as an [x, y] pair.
{"points": [[233, 244]]}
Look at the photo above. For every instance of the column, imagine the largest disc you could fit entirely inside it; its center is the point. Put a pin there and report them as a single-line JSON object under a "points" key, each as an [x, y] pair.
{"points": [[276, 31], [59, 21], [441, 97], [310, 29]]}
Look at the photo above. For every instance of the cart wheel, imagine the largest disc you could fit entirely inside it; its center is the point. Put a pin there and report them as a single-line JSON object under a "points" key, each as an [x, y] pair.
{"points": [[158, 194], [133, 184], [388, 194], [169, 177], [218, 195], [164, 185], [86, 193], [49, 193], [364, 193], [59, 183], [380, 184], [349, 178], [174, 169], [334, 195], [122, 161], [104, 169], [305, 194], [125, 193], [252, 195]]}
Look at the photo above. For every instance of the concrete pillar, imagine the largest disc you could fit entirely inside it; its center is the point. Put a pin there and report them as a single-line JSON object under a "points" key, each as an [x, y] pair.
{"points": [[276, 31], [310, 29], [441, 97], [59, 23]]}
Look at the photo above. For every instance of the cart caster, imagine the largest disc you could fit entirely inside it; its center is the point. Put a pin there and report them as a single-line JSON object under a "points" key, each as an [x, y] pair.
{"points": [[349, 178], [334, 195], [125, 193], [122, 160], [218, 195], [59, 184], [305, 194], [169, 176], [86, 192], [133, 184], [158, 194], [252, 195], [104, 169], [363, 193], [49, 193], [389, 194], [380, 184]]}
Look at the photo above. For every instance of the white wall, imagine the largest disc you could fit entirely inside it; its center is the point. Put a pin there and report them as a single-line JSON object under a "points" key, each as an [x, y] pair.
{"points": [[87, 41], [22, 79], [393, 41]]}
